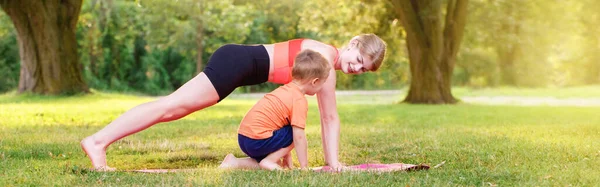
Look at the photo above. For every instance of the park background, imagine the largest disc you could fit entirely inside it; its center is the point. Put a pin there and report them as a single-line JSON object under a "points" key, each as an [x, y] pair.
{"points": [[527, 73], [153, 47]]}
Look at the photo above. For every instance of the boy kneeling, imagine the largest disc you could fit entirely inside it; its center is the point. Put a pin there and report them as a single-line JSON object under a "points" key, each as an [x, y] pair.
{"points": [[278, 119]]}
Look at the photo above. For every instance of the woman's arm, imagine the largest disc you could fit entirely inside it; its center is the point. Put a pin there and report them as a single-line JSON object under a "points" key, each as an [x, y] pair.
{"points": [[330, 121]]}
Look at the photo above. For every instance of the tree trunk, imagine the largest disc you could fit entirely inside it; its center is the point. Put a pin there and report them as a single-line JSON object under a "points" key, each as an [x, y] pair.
{"points": [[199, 45], [432, 46], [47, 45], [507, 55], [509, 51], [592, 72]]}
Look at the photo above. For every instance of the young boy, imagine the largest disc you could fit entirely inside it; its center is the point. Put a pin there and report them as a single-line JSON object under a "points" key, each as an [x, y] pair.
{"points": [[278, 119]]}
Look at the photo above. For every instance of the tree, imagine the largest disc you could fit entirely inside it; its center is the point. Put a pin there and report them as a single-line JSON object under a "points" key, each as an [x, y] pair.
{"points": [[518, 43], [432, 46], [589, 63], [203, 25], [47, 45], [111, 44], [9, 55]]}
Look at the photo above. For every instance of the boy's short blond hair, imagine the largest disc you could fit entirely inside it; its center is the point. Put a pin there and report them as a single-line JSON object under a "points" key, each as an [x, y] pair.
{"points": [[310, 64]]}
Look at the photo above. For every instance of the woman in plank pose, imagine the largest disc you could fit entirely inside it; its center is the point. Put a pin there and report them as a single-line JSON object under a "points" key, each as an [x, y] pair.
{"points": [[232, 66]]}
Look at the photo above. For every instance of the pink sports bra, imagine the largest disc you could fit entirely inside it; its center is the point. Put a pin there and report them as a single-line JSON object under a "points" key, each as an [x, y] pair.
{"points": [[284, 54]]}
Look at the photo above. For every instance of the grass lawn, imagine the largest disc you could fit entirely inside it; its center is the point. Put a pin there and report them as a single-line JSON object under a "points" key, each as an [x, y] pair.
{"points": [[482, 145], [592, 91]]}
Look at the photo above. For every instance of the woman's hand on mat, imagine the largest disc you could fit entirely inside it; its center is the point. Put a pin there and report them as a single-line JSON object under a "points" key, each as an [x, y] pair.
{"points": [[338, 167], [304, 169], [104, 169]]}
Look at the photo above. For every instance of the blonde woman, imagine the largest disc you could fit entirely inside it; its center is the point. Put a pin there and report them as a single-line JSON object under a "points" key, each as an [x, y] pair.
{"points": [[232, 66]]}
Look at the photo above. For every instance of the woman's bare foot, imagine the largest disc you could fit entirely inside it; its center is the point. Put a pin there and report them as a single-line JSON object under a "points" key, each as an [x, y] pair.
{"points": [[228, 162], [96, 153]]}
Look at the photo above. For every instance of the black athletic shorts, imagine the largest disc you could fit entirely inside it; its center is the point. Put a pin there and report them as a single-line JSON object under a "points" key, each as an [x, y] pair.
{"points": [[234, 65], [260, 149]]}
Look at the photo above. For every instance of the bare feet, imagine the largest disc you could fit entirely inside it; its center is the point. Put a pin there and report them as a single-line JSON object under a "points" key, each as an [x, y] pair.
{"points": [[287, 162], [265, 164], [228, 162], [96, 153]]}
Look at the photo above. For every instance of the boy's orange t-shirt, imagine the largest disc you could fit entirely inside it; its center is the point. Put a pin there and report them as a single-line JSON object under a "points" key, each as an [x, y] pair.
{"points": [[285, 105]]}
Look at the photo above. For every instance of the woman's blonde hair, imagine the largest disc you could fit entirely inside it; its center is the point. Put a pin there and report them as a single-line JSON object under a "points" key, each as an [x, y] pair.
{"points": [[373, 47], [310, 64]]}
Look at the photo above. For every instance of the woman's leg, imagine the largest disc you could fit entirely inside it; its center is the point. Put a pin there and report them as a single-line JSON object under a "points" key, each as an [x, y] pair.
{"points": [[196, 94]]}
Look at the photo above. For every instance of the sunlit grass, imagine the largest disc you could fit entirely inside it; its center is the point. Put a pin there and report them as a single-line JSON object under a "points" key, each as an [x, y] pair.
{"points": [[558, 92], [482, 145]]}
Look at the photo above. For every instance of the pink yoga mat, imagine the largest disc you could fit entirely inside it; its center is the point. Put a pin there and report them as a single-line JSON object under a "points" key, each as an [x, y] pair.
{"points": [[360, 168], [161, 170], [377, 167]]}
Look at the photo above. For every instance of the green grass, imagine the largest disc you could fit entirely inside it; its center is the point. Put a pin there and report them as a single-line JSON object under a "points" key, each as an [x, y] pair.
{"points": [[592, 91], [482, 145]]}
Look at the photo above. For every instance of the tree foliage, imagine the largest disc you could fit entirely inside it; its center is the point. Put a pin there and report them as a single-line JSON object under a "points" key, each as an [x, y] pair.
{"points": [[154, 47], [9, 61], [530, 43]]}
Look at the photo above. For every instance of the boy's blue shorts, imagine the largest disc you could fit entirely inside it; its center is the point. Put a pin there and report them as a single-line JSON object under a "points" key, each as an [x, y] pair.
{"points": [[259, 149]]}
